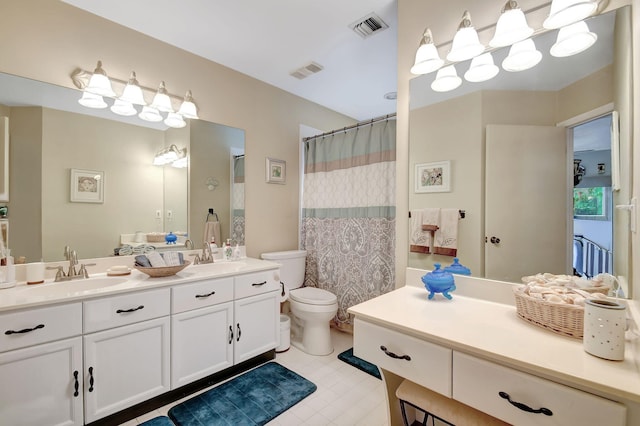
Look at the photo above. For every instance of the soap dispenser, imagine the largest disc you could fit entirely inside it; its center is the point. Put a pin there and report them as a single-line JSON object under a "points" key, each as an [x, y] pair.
{"points": [[236, 252], [228, 251]]}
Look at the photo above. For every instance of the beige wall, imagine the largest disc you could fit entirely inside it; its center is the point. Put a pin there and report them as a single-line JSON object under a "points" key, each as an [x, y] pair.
{"points": [[47, 40]]}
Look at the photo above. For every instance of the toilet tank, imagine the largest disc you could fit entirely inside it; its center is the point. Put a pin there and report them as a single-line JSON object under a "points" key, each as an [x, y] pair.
{"points": [[291, 266]]}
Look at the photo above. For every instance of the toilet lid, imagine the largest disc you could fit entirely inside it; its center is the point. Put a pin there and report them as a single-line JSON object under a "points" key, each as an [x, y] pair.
{"points": [[313, 296]]}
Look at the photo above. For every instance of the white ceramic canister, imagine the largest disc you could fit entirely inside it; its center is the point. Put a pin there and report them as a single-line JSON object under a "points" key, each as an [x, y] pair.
{"points": [[604, 327]]}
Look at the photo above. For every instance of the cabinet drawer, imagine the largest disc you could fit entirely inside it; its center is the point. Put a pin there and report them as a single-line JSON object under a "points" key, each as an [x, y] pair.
{"points": [[256, 283], [428, 365], [201, 294], [115, 311], [35, 326], [478, 383]]}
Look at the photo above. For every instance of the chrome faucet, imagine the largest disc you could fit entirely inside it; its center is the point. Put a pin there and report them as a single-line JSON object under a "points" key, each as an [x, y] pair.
{"points": [[71, 274]]}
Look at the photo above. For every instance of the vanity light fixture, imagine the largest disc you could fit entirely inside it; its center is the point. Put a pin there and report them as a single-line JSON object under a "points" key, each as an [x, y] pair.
{"points": [[446, 80], [466, 43], [512, 26], [566, 12], [573, 39], [427, 57], [481, 69], [522, 56], [169, 155], [96, 86]]}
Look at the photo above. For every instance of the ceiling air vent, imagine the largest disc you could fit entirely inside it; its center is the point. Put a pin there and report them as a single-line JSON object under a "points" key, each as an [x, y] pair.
{"points": [[307, 70], [368, 25]]}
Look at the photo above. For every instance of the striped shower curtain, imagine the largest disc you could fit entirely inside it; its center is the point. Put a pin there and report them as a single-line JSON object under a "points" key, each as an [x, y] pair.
{"points": [[237, 232], [348, 214]]}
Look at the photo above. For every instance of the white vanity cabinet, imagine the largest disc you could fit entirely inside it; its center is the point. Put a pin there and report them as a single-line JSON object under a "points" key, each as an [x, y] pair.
{"points": [[42, 372], [201, 329], [217, 323], [256, 312], [126, 352]]}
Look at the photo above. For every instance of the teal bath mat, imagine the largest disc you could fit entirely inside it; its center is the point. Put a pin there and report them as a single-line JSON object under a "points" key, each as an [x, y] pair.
{"points": [[254, 398], [359, 363], [158, 421]]}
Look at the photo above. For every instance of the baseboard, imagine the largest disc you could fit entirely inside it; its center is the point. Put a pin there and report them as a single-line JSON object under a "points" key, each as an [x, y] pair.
{"points": [[183, 391]]}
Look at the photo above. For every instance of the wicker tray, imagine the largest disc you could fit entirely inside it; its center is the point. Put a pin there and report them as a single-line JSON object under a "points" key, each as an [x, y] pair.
{"points": [[155, 238], [564, 319], [163, 271]]}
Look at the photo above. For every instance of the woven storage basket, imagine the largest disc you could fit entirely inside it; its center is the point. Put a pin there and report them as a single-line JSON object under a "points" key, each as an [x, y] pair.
{"points": [[155, 238], [564, 319], [163, 271]]}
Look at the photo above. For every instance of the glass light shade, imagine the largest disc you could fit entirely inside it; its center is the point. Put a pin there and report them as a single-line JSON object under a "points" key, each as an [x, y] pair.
{"points": [[161, 100], [512, 27], [482, 68], [158, 160], [188, 108], [572, 40], [132, 92], [91, 100], [150, 114], [121, 107], [427, 57], [174, 120], [465, 44], [99, 83], [180, 163], [446, 80], [565, 12], [522, 56]]}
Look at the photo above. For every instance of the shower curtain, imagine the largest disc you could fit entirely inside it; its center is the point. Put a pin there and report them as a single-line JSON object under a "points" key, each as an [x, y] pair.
{"points": [[237, 231], [348, 214]]}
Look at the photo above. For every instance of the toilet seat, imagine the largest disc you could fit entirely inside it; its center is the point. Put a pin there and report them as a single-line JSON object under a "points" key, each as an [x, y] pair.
{"points": [[313, 296]]}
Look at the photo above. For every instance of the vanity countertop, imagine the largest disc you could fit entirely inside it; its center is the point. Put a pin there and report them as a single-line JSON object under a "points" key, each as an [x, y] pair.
{"points": [[493, 331], [99, 285]]}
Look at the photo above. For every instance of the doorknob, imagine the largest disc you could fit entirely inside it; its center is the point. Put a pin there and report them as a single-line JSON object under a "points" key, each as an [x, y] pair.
{"points": [[495, 240]]}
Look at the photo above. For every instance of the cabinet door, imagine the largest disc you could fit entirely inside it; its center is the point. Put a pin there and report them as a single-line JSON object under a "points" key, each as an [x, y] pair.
{"points": [[124, 366], [42, 385], [201, 343], [257, 325]]}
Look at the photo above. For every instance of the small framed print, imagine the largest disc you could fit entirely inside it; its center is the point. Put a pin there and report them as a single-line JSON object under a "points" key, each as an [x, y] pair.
{"points": [[276, 171], [87, 186], [433, 177]]}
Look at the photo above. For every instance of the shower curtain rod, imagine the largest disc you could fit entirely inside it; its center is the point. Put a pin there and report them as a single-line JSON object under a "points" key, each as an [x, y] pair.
{"points": [[353, 126]]}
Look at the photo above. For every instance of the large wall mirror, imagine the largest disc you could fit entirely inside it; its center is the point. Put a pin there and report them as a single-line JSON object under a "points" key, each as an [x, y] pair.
{"points": [[53, 140], [510, 144]]}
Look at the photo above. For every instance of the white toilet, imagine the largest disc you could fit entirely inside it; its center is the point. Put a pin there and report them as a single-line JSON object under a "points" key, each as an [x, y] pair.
{"points": [[312, 308]]}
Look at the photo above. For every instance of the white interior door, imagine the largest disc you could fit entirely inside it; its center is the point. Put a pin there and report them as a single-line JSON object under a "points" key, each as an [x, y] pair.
{"points": [[526, 185]]}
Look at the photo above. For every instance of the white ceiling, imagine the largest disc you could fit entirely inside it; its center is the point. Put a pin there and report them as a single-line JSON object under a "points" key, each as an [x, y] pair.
{"points": [[268, 40]]}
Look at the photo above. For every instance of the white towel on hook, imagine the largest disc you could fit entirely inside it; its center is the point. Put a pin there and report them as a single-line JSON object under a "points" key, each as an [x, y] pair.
{"points": [[446, 237], [212, 229], [420, 239]]}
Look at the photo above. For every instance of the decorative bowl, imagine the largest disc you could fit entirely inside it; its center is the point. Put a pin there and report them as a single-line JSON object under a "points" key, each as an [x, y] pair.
{"points": [[163, 271], [439, 281]]}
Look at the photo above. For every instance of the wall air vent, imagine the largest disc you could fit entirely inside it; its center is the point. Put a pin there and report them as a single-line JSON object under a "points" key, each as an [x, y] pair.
{"points": [[307, 70], [368, 25]]}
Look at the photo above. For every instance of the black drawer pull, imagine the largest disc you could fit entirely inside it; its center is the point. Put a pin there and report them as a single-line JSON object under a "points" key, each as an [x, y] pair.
{"points": [[202, 296], [230, 334], [26, 330], [259, 284], [76, 384], [239, 332], [122, 311], [90, 379], [392, 355], [524, 407]]}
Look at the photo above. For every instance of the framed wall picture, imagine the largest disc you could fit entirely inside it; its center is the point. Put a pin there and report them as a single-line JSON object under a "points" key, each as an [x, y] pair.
{"points": [[433, 177], [276, 171], [87, 186]]}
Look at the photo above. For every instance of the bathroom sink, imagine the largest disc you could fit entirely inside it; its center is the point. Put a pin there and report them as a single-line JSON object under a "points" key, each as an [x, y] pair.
{"points": [[69, 288]]}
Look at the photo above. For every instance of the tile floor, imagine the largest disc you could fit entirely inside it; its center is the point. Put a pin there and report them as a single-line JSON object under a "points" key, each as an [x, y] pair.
{"points": [[345, 396]]}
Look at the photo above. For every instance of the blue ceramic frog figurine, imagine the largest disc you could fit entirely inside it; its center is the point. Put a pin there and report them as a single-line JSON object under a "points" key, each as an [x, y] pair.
{"points": [[439, 281]]}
